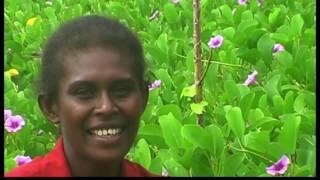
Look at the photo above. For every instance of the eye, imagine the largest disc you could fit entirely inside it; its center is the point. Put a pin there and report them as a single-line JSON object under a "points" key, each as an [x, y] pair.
{"points": [[84, 92], [122, 91]]}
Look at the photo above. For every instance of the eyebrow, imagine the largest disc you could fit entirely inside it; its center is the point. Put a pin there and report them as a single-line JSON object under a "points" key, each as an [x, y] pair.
{"points": [[88, 82], [81, 82]]}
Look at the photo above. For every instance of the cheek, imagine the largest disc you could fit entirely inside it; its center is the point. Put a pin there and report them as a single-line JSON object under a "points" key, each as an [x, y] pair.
{"points": [[72, 113], [133, 108]]}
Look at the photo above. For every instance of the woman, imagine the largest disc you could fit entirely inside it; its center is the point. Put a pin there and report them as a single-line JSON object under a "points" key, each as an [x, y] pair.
{"points": [[92, 84]]}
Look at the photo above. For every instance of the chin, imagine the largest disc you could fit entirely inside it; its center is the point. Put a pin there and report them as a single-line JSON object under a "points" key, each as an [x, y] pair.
{"points": [[107, 156]]}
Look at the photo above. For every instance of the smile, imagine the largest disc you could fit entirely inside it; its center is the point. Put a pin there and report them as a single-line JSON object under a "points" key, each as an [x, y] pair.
{"points": [[106, 132]]}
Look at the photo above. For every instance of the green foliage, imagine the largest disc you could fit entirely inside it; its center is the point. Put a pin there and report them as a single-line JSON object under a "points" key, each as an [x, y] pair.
{"points": [[246, 129]]}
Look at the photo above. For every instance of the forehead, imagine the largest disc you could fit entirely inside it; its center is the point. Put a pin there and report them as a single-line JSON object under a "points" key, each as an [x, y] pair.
{"points": [[98, 63]]}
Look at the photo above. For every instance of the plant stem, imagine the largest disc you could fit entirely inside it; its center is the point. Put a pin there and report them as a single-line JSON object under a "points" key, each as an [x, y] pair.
{"points": [[207, 68], [181, 55], [197, 55], [225, 64], [253, 153]]}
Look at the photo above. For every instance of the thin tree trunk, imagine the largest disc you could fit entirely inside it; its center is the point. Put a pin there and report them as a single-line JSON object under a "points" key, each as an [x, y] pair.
{"points": [[197, 55]]}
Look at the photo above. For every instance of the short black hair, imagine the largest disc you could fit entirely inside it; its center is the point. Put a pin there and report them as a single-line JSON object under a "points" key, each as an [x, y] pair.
{"points": [[82, 33]]}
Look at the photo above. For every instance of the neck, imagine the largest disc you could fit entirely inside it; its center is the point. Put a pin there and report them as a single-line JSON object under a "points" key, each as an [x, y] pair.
{"points": [[81, 166]]}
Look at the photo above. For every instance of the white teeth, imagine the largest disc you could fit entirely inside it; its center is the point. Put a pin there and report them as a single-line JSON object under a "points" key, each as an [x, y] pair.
{"points": [[109, 131], [100, 133], [106, 132]]}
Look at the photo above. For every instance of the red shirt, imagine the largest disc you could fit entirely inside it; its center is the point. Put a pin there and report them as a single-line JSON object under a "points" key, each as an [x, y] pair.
{"points": [[55, 164]]}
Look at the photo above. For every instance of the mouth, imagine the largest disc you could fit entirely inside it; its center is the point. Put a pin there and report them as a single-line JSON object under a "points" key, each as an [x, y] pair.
{"points": [[106, 136], [105, 132]]}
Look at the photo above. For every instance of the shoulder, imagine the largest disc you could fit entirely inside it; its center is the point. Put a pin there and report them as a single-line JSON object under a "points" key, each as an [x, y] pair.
{"points": [[34, 168], [135, 169], [52, 164]]}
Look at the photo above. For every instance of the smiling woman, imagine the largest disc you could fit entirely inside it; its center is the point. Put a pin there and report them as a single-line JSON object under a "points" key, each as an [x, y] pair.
{"points": [[92, 85]]}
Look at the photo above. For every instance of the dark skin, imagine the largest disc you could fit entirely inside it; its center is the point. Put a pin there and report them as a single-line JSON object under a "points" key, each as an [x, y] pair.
{"points": [[98, 93]]}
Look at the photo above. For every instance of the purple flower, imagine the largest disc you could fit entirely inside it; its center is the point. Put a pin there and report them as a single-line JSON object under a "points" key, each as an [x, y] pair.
{"points": [[280, 167], [164, 172], [154, 85], [7, 114], [215, 42], [14, 123], [20, 160], [242, 2], [277, 48], [251, 78]]}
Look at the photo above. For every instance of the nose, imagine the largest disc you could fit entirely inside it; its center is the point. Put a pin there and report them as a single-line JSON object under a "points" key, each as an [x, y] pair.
{"points": [[105, 105]]}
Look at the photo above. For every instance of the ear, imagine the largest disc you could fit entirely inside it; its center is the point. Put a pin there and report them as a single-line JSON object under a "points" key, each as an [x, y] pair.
{"points": [[49, 109]]}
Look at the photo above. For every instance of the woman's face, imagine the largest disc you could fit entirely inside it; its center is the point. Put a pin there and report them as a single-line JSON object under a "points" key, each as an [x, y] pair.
{"points": [[99, 104]]}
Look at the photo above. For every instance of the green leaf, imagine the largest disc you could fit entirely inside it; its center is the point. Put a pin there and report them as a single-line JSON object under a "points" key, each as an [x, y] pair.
{"points": [[170, 13], [8, 84], [143, 7], [142, 153], [198, 108], [228, 33], [284, 58], [9, 164], [271, 86], [232, 164], [246, 103], [217, 140], [226, 13], [49, 12], [257, 140], [189, 91], [310, 99], [243, 90], [255, 115], [195, 135], [156, 166], [264, 46], [77, 10], [274, 150], [173, 108], [171, 127], [200, 166], [231, 90], [299, 104], [153, 134], [280, 37], [276, 17], [289, 87], [162, 43], [309, 37], [36, 149], [246, 25], [286, 29], [288, 101], [247, 15], [266, 123], [302, 171], [278, 105], [235, 121], [297, 23], [175, 168], [289, 133]]}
